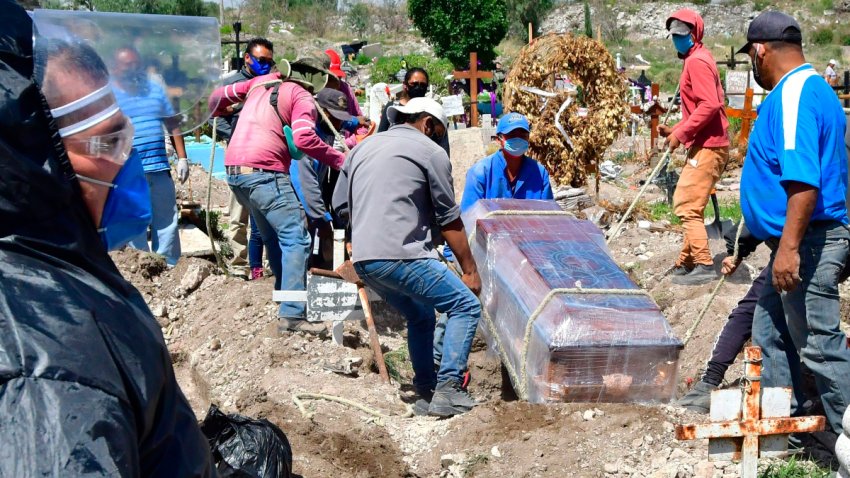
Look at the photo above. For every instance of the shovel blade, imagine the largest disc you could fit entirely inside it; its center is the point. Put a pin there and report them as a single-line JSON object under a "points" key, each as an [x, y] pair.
{"points": [[717, 229]]}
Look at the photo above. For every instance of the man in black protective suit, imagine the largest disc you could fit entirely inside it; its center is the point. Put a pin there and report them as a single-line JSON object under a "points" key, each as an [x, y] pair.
{"points": [[86, 382]]}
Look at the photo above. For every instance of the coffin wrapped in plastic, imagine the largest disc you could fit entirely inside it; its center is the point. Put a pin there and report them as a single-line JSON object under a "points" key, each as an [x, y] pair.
{"points": [[568, 323]]}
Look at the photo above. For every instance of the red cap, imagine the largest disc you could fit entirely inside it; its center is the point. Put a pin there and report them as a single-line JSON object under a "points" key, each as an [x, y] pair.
{"points": [[335, 63]]}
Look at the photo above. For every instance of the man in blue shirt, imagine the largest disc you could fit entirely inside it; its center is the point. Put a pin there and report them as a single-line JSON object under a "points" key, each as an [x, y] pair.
{"points": [[148, 107], [507, 173], [793, 192]]}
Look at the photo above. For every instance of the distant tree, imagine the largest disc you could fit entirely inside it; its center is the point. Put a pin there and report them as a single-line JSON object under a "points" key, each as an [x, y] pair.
{"points": [[588, 24], [523, 12], [359, 18], [194, 8], [456, 27]]}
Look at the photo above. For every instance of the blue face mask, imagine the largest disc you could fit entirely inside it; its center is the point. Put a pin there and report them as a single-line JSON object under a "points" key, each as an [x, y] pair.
{"points": [[127, 212], [683, 43], [260, 67], [516, 146]]}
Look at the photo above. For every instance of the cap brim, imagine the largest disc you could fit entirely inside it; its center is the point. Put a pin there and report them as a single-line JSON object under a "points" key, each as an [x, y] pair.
{"points": [[513, 128], [339, 114], [745, 49]]}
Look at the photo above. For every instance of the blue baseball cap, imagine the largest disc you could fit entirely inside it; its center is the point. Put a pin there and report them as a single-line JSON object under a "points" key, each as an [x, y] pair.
{"points": [[510, 122]]}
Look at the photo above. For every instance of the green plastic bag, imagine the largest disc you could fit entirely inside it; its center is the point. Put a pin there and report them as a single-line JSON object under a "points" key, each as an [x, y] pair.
{"points": [[294, 152]]}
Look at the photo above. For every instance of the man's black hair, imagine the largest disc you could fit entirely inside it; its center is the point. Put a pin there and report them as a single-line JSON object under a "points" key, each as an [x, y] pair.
{"points": [[255, 42], [784, 45], [413, 70], [412, 118]]}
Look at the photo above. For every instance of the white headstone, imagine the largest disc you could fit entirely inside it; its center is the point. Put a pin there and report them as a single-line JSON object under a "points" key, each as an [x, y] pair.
{"points": [[737, 83]]}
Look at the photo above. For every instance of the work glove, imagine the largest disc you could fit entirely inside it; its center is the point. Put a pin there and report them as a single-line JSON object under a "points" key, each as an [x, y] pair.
{"points": [[182, 170]]}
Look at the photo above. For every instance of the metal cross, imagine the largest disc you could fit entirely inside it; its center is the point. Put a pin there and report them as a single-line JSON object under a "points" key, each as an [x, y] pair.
{"points": [[759, 428]]}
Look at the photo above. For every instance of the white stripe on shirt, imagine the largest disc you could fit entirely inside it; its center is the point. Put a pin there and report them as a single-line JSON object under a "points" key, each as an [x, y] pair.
{"points": [[792, 90]]}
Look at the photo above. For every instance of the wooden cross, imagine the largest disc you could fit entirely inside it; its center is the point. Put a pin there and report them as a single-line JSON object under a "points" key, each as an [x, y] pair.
{"points": [[747, 116], [654, 112], [759, 428], [473, 75]]}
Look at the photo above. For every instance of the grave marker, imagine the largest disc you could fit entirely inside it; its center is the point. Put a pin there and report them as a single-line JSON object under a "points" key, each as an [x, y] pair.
{"points": [[747, 424], [473, 75]]}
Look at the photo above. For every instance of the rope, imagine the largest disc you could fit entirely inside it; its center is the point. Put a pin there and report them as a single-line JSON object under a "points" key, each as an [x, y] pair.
{"points": [[327, 121], [298, 398], [722, 281], [658, 167], [218, 259]]}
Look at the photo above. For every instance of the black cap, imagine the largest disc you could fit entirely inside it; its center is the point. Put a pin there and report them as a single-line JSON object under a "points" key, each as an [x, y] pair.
{"points": [[335, 102], [772, 26]]}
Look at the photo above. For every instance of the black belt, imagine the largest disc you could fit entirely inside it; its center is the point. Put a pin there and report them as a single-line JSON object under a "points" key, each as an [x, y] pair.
{"points": [[237, 170]]}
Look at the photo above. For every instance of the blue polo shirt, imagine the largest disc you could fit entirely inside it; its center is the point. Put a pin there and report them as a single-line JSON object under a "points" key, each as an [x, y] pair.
{"points": [[147, 109], [486, 179], [798, 136]]}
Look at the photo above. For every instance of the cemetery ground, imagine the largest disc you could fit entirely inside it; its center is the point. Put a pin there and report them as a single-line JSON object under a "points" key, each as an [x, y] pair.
{"points": [[224, 352]]}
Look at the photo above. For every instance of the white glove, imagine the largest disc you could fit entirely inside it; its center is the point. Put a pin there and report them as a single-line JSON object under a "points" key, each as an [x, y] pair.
{"points": [[182, 170], [338, 145]]}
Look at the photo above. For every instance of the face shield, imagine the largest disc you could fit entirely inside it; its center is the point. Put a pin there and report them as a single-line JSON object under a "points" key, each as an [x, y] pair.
{"points": [[173, 59]]}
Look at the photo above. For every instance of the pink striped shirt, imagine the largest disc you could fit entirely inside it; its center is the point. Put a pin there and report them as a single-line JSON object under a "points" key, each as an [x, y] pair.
{"points": [[258, 141]]}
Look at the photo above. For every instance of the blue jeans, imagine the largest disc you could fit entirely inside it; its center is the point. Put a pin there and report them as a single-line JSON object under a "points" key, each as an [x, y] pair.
{"points": [[165, 239], [417, 287], [255, 245], [281, 222], [804, 324]]}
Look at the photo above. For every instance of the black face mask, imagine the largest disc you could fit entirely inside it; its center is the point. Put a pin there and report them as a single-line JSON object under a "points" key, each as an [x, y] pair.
{"points": [[417, 91], [756, 72]]}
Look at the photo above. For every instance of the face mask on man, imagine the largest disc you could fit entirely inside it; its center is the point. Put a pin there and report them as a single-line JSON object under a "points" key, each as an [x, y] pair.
{"points": [[683, 43], [261, 67], [756, 73], [516, 147]]}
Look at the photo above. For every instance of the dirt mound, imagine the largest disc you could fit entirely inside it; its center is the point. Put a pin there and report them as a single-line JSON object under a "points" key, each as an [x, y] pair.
{"points": [[226, 350]]}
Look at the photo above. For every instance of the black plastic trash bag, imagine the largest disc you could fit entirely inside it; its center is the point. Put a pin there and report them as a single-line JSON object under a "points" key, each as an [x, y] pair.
{"points": [[243, 447]]}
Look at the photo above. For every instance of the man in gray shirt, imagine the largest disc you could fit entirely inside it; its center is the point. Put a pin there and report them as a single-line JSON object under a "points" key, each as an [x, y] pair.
{"points": [[395, 186]]}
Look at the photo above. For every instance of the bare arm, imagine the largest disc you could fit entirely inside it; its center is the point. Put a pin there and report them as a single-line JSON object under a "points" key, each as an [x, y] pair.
{"points": [[786, 265], [178, 142], [455, 236]]}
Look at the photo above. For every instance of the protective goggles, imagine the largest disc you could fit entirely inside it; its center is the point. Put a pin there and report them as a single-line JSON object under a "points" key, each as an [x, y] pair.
{"points": [[80, 115]]}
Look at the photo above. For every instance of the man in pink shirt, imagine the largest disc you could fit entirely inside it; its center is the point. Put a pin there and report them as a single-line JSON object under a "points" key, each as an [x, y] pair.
{"points": [[257, 162], [703, 131]]}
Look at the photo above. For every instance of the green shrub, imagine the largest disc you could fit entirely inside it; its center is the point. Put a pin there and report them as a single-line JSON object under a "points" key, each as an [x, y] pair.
{"points": [[845, 39], [362, 59], [456, 27], [386, 67], [759, 5], [822, 36]]}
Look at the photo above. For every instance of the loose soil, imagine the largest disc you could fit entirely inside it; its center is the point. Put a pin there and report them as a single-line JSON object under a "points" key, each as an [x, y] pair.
{"points": [[227, 351]]}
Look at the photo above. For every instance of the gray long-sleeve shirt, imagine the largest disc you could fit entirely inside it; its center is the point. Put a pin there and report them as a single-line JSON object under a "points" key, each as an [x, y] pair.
{"points": [[395, 186]]}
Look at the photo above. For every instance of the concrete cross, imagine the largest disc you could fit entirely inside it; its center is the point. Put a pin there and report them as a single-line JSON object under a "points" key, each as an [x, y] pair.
{"points": [[747, 116], [759, 428], [473, 75]]}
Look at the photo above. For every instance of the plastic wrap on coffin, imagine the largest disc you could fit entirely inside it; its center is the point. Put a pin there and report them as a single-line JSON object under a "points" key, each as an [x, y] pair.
{"points": [[608, 346]]}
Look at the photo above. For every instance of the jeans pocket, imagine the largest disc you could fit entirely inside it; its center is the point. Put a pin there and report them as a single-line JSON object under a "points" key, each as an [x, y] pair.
{"points": [[379, 269]]}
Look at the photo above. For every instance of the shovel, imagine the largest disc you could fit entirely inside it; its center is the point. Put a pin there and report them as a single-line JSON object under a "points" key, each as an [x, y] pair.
{"points": [[347, 273], [717, 228]]}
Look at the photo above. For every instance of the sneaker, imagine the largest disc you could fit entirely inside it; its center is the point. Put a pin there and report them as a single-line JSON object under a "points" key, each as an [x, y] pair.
{"points": [[256, 273], [702, 274], [698, 399], [681, 270], [301, 325], [450, 399]]}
